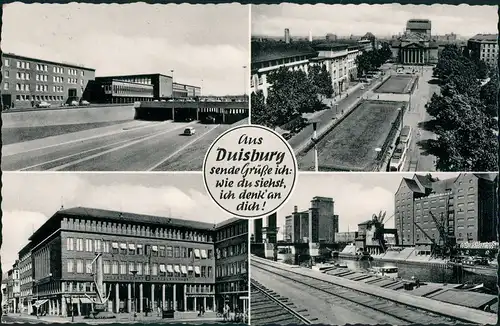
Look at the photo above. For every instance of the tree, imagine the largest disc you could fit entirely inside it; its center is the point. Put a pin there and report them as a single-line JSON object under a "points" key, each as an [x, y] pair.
{"points": [[260, 112], [489, 96], [320, 79]]}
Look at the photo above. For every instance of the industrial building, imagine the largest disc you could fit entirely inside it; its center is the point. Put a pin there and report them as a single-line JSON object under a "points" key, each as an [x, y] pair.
{"points": [[465, 207], [135, 88], [28, 81], [149, 262], [484, 47], [318, 224]]}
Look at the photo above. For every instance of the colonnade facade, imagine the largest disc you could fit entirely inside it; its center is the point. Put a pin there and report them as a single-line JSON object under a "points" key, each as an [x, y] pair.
{"points": [[125, 298], [414, 56]]}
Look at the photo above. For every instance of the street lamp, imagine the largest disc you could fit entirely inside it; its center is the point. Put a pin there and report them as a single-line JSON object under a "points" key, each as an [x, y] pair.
{"points": [[378, 150], [134, 272], [314, 139], [244, 81]]}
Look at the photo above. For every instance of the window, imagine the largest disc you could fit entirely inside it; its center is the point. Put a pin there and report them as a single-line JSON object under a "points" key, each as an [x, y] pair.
{"points": [[97, 245], [139, 268], [176, 252], [7, 63], [169, 252], [140, 250], [123, 268], [154, 269], [162, 251], [115, 267], [69, 244], [88, 245], [79, 266], [131, 268], [6, 74], [79, 244], [146, 269], [106, 269], [70, 265]]}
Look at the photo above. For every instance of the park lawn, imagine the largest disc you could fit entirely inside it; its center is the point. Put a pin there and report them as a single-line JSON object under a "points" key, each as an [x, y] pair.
{"points": [[22, 134], [351, 145], [398, 84]]}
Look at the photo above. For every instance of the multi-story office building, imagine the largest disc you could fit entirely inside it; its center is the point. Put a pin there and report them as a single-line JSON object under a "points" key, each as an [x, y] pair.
{"points": [[27, 81], [465, 206], [484, 47], [148, 262], [13, 288], [143, 87], [25, 279], [339, 59], [317, 224], [231, 264]]}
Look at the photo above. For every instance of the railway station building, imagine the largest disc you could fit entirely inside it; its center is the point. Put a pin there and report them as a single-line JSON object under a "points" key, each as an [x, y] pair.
{"points": [[466, 206], [27, 81], [149, 262]]}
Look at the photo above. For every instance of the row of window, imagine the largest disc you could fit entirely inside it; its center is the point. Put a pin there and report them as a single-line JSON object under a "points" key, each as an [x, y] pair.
{"points": [[39, 98], [232, 231], [137, 230], [124, 268], [92, 245], [137, 80], [42, 67], [122, 89], [89, 287], [42, 77], [235, 268], [230, 251], [232, 287]]}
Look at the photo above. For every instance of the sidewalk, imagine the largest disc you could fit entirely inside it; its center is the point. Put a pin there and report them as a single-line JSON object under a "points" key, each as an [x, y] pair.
{"points": [[329, 118]]}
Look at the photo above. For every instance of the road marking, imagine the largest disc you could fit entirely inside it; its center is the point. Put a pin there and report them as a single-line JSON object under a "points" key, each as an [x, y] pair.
{"points": [[57, 168], [89, 150], [78, 140], [181, 149]]}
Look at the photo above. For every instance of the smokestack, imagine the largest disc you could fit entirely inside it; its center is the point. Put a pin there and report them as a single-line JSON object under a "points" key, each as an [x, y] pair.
{"points": [[295, 209], [287, 35], [310, 36]]}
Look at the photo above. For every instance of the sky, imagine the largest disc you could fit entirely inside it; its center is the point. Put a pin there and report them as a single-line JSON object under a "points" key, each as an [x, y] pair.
{"points": [[380, 20], [29, 199], [209, 42], [356, 196]]}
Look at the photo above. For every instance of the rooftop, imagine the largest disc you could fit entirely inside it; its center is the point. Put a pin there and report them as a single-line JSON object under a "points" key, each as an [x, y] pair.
{"points": [[418, 24], [268, 51], [484, 38], [71, 65]]}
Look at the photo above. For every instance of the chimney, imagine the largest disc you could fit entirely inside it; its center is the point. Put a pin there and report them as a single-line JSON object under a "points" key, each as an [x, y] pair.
{"points": [[287, 35], [295, 209]]}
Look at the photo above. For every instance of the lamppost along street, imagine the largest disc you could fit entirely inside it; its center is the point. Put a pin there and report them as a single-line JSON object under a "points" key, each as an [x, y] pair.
{"points": [[314, 139], [134, 308]]}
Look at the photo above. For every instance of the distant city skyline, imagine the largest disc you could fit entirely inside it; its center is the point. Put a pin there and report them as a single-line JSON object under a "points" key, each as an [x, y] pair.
{"points": [[356, 196], [197, 42], [344, 20]]}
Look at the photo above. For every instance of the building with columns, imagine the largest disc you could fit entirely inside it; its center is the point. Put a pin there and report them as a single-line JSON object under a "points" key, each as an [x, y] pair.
{"points": [[149, 262], [416, 45]]}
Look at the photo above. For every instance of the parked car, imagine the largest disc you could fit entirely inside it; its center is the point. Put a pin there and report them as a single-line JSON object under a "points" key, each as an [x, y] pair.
{"points": [[287, 135], [73, 103], [84, 102], [43, 104]]}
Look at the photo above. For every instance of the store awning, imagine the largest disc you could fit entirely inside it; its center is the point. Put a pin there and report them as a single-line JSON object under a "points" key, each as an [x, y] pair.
{"points": [[184, 270], [139, 246], [162, 268], [197, 269], [154, 248], [197, 253], [123, 246], [85, 300], [190, 268], [115, 245], [38, 303], [203, 253], [177, 269], [131, 246], [170, 269]]}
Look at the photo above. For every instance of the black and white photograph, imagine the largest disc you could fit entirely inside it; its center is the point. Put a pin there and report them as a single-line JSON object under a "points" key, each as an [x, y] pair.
{"points": [[379, 88], [120, 248], [120, 87], [373, 248]]}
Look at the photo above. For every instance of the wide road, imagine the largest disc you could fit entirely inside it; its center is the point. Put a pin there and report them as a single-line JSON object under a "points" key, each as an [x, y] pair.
{"points": [[130, 146]]}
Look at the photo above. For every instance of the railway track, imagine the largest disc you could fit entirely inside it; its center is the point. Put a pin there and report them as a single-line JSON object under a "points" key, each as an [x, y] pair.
{"points": [[267, 308], [376, 308]]}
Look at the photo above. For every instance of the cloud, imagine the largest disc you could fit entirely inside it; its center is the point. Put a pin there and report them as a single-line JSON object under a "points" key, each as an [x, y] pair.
{"points": [[344, 20], [30, 198], [197, 42]]}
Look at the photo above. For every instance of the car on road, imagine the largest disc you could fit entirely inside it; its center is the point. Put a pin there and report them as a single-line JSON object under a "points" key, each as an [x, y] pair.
{"points": [[287, 135], [210, 120], [189, 131], [43, 104], [73, 103], [398, 158], [85, 103]]}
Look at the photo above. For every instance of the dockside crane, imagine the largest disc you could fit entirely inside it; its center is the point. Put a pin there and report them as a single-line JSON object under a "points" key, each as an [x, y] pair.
{"points": [[378, 223]]}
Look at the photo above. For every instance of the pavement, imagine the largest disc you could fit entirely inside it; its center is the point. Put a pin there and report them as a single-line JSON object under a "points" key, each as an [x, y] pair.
{"points": [[418, 159], [129, 146], [181, 317]]}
